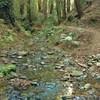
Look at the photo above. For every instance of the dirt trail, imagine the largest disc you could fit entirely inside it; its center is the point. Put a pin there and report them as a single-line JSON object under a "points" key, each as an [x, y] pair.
{"points": [[94, 32], [93, 47]]}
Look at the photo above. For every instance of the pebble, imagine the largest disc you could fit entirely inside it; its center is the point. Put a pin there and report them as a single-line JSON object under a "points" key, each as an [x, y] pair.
{"points": [[22, 53], [89, 64], [76, 73], [98, 56], [34, 83], [65, 78], [87, 86], [19, 57], [58, 67], [98, 64], [15, 75], [50, 52], [79, 98], [42, 63], [91, 92], [92, 68], [97, 76]]}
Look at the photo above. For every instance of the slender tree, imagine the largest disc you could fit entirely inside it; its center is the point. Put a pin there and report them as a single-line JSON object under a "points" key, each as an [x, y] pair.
{"points": [[40, 5], [51, 6], [78, 8], [68, 6], [64, 9], [58, 9], [45, 9]]}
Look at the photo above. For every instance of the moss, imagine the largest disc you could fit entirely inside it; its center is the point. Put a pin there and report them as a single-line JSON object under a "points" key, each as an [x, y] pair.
{"points": [[7, 68]]}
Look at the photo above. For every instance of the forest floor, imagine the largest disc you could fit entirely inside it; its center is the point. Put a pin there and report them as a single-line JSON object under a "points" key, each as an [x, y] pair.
{"points": [[55, 63]]}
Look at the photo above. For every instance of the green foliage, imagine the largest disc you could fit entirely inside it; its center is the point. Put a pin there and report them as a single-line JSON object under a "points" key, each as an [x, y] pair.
{"points": [[4, 3], [83, 2], [70, 39], [7, 37], [6, 69], [49, 30], [71, 36]]}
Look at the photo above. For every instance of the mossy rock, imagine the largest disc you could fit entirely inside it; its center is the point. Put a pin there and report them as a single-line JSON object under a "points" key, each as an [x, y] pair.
{"points": [[7, 68], [77, 73]]}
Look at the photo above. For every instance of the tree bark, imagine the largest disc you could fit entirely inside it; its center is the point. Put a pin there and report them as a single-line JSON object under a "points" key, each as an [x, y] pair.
{"points": [[64, 9], [68, 6], [45, 9], [78, 8], [58, 9]]}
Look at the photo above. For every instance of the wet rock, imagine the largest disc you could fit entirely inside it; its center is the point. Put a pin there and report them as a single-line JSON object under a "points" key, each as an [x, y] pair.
{"points": [[89, 64], [34, 83], [76, 73], [91, 92], [25, 65], [13, 56], [98, 64], [23, 77], [84, 70], [20, 57], [81, 78], [14, 75], [66, 98], [50, 85], [50, 52], [13, 62], [44, 57], [79, 98], [97, 76], [91, 69], [31, 66], [65, 78], [63, 98], [5, 60], [87, 86], [58, 67], [34, 69], [93, 74], [22, 53], [81, 88], [42, 63], [98, 56]]}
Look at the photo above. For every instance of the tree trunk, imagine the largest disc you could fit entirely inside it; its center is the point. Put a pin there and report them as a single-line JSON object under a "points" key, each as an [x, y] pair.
{"points": [[45, 9], [78, 8], [58, 9], [51, 6], [40, 5], [32, 10], [64, 9], [68, 6]]}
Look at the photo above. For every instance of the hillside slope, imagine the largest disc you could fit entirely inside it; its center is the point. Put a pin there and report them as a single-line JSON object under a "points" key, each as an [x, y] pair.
{"points": [[92, 14]]}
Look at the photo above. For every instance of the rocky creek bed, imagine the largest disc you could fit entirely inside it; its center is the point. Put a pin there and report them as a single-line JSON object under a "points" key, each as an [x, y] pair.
{"points": [[49, 75]]}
